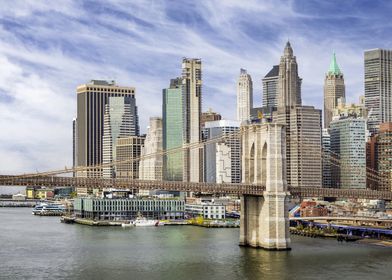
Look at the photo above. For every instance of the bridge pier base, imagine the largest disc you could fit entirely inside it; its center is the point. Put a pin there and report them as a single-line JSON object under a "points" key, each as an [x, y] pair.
{"points": [[265, 222]]}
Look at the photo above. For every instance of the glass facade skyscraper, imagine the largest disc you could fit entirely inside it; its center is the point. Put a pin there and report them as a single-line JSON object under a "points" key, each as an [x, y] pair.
{"points": [[172, 125]]}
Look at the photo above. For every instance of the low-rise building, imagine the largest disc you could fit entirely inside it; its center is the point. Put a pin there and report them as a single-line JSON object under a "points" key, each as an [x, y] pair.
{"points": [[207, 211], [128, 209]]}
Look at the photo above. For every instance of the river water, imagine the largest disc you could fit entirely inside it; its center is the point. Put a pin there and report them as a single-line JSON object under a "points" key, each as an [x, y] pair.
{"points": [[43, 248]]}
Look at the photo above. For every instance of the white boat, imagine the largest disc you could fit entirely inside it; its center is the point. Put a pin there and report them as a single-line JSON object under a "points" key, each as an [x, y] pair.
{"points": [[143, 222]]}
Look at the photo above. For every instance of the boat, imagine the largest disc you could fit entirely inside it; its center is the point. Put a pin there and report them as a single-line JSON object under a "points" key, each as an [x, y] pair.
{"points": [[143, 222], [48, 209]]}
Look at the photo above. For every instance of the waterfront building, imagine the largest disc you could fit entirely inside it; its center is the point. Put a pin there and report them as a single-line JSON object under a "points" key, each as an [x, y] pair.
{"points": [[128, 208], [206, 210], [192, 108], [270, 87], [303, 126], [334, 89], [209, 116], [244, 96], [348, 147], [119, 121], [378, 87], [151, 162], [91, 101], [222, 162], [326, 160], [128, 150], [172, 129]]}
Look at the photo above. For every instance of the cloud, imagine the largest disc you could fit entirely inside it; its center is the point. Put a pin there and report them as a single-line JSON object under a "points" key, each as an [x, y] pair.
{"points": [[47, 50]]}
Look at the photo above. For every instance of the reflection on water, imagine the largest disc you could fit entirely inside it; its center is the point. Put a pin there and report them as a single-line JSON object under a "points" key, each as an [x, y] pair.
{"points": [[41, 247]]}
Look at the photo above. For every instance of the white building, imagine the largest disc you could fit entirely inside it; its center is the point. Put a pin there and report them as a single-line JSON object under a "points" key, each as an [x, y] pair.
{"points": [[244, 96], [207, 211], [150, 167]]}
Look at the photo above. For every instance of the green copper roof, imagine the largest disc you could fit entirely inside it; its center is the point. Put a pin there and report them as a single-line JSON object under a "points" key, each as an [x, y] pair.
{"points": [[334, 67]]}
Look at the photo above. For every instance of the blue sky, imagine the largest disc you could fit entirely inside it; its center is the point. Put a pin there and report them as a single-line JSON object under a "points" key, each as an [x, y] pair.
{"points": [[47, 48]]}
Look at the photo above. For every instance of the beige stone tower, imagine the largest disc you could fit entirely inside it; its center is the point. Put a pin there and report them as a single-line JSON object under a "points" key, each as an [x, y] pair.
{"points": [[244, 96], [333, 90], [264, 219], [192, 108]]}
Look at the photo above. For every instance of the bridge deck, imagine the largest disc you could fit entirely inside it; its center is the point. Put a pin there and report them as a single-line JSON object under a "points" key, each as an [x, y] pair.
{"points": [[224, 188]]}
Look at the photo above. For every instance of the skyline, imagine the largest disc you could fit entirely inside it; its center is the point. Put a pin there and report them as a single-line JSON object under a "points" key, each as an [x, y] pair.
{"points": [[46, 52]]}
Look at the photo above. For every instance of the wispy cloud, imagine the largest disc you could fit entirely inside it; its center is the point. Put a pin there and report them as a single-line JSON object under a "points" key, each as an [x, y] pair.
{"points": [[46, 50]]}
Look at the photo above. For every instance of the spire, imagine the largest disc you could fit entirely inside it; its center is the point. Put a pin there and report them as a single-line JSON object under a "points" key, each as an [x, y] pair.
{"points": [[288, 51], [334, 67]]}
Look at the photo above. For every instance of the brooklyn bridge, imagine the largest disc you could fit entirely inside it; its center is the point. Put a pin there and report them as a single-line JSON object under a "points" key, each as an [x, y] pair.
{"points": [[264, 191]]}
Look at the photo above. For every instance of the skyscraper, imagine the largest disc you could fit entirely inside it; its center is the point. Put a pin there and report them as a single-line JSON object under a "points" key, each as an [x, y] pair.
{"points": [[326, 158], [192, 108], [289, 83], [381, 159], [348, 147], [270, 87], [74, 144], [128, 150], [172, 130], [378, 87], [91, 101], [120, 120], [333, 90], [303, 126], [150, 168], [304, 163], [244, 96]]}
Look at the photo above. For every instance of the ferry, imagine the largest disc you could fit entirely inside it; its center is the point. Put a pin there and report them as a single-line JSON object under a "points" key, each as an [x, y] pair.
{"points": [[48, 208]]}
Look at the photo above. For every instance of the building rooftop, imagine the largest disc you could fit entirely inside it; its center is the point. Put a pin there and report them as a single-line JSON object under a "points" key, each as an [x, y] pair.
{"points": [[334, 67], [274, 72]]}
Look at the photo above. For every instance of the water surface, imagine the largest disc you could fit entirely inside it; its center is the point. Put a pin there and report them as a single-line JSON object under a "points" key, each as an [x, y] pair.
{"points": [[34, 247]]}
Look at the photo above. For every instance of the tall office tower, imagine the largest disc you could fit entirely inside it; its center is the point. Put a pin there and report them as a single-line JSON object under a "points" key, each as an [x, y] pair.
{"points": [[150, 167], [172, 130], [378, 87], [209, 116], [326, 160], [289, 83], [222, 162], [120, 120], [192, 103], [270, 88], [303, 126], [91, 101], [305, 160], [383, 154], [244, 96], [128, 150], [333, 90], [74, 144], [348, 147]]}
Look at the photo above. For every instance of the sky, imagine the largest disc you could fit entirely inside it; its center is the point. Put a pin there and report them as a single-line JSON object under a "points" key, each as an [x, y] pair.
{"points": [[48, 48]]}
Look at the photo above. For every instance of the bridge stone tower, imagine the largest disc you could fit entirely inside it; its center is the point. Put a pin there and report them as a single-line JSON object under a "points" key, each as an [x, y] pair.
{"points": [[264, 219]]}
